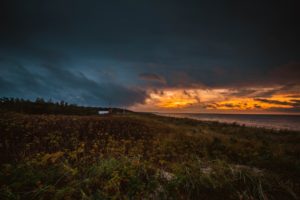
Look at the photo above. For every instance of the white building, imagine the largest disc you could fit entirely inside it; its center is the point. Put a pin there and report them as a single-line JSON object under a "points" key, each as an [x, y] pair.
{"points": [[103, 112]]}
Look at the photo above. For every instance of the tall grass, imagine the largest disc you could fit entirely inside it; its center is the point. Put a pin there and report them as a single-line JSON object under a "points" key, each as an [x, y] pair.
{"points": [[141, 156]]}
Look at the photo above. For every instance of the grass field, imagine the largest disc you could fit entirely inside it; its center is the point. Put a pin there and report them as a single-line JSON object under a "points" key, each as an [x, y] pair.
{"points": [[144, 156]]}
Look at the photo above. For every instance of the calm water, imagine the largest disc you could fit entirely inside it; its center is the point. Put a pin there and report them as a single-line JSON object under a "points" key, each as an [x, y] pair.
{"points": [[291, 122]]}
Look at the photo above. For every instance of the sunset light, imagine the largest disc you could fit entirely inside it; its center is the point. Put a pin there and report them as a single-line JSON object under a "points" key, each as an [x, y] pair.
{"points": [[147, 100], [210, 100]]}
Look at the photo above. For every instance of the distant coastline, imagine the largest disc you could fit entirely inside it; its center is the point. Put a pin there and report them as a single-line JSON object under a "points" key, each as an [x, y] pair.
{"points": [[269, 121]]}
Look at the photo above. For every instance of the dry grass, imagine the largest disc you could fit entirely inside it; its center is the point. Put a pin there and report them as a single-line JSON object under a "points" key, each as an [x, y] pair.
{"points": [[143, 156]]}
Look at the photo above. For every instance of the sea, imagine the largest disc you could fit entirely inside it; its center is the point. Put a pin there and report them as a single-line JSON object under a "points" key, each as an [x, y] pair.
{"points": [[278, 122]]}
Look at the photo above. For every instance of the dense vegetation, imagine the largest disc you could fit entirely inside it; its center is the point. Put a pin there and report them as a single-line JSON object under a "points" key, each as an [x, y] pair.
{"points": [[143, 156], [41, 106]]}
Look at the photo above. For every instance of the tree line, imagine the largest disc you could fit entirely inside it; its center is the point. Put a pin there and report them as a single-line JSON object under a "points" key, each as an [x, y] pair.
{"points": [[41, 106]]}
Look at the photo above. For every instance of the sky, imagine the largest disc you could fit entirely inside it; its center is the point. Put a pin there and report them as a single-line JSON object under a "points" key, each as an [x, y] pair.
{"points": [[155, 56]]}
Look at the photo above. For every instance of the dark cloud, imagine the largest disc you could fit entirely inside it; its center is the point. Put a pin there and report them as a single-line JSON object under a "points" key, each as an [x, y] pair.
{"points": [[275, 102], [286, 74], [257, 106], [59, 83], [7, 87], [285, 89], [294, 103], [152, 77], [294, 96], [244, 92], [229, 105], [84, 50]]}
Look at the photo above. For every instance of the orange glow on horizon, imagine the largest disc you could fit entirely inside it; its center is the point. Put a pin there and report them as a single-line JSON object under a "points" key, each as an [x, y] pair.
{"points": [[246, 104], [171, 99], [215, 100]]}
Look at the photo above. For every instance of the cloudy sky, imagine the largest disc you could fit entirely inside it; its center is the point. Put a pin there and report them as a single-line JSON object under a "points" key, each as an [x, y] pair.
{"points": [[167, 56]]}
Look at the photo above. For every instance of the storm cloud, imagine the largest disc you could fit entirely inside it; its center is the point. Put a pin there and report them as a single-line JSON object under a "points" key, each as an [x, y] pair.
{"points": [[111, 53], [60, 83], [152, 77]]}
